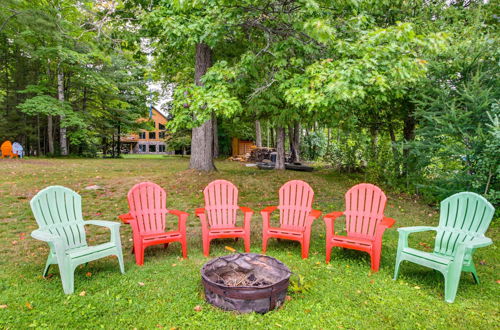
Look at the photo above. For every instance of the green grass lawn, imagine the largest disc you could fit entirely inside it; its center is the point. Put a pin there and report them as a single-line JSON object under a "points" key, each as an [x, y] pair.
{"points": [[343, 294]]}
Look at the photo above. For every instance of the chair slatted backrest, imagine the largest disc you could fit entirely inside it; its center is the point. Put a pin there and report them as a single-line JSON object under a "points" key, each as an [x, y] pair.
{"points": [[147, 203], [295, 204], [221, 203], [58, 210], [463, 217], [365, 204]]}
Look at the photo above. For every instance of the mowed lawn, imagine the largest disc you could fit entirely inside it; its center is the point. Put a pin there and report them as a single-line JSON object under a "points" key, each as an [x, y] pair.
{"points": [[165, 291]]}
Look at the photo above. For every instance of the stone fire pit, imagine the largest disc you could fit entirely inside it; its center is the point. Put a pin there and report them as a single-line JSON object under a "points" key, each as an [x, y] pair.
{"points": [[245, 282]]}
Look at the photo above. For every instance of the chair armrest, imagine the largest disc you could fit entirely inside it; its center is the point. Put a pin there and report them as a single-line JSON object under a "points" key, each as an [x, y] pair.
{"points": [[199, 211], [182, 217], [387, 222], [404, 232], [266, 216], [114, 228], [268, 209], [415, 229], [246, 209], [177, 212], [477, 243], [45, 236], [102, 223], [333, 215], [315, 214], [329, 220], [126, 218]]}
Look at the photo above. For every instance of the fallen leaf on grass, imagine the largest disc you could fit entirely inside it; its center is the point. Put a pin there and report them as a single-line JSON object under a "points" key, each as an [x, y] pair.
{"points": [[498, 281], [288, 298], [416, 287], [140, 283], [83, 293], [88, 274], [173, 265], [28, 305], [198, 308], [3, 306], [230, 249]]}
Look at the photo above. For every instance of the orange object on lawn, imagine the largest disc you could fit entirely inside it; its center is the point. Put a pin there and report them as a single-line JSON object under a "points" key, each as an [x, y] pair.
{"points": [[218, 218], [6, 149], [147, 216], [296, 215], [365, 223]]}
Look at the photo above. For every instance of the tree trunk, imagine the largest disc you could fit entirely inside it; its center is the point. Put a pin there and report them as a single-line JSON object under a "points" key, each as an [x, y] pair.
{"points": [[408, 136], [258, 134], [113, 145], [202, 139], [118, 142], [38, 145], [295, 142], [374, 144], [280, 148], [50, 134], [271, 131], [62, 130], [216, 136]]}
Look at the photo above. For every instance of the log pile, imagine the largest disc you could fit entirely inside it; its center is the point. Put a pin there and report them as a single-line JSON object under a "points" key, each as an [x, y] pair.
{"points": [[259, 154]]}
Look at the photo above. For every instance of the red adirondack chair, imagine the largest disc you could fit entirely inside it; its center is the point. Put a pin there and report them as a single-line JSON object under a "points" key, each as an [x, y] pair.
{"points": [[296, 215], [218, 218], [147, 216], [365, 223]]}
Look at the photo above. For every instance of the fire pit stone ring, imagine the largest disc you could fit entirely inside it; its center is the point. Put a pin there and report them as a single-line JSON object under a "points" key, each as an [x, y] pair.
{"points": [[245, 282]]}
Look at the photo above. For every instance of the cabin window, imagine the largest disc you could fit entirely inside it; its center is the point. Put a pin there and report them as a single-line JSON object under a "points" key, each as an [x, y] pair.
{"points": [[142, 147], [152, 135], [152, 148], [161, 127], [142, 135], [161, 135], [161, 148]]}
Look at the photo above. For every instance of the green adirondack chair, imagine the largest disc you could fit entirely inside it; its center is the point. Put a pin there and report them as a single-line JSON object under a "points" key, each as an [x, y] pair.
{"points": [[58, 212], [464, 219]]}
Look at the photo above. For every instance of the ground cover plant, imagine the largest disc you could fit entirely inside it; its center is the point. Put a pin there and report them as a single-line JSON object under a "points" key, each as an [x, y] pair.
{"points": [[167, 293]]}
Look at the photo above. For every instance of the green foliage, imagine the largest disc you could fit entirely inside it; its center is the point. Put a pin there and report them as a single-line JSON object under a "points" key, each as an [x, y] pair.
{"points": [[458, 110], [299, 285], [314, 145]]}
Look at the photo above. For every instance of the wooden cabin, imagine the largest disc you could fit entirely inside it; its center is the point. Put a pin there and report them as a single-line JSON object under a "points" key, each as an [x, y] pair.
{"points": [[148, 142]]}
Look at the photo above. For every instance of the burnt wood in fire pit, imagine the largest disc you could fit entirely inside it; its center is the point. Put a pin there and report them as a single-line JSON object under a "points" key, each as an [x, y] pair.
{"points": [[245, 282]]}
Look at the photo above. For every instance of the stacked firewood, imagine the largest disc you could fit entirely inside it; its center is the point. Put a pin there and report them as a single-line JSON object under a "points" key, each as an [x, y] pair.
{"points": [[259, 154]]}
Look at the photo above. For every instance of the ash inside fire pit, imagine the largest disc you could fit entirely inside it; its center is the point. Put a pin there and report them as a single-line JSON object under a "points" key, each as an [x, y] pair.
{"points": [[245, 282]]}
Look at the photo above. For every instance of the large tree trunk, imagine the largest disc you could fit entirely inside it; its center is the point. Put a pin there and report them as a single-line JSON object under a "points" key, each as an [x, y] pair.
{"points": [[62, 130], [203, 136], [258, 134], [280, 148]]}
